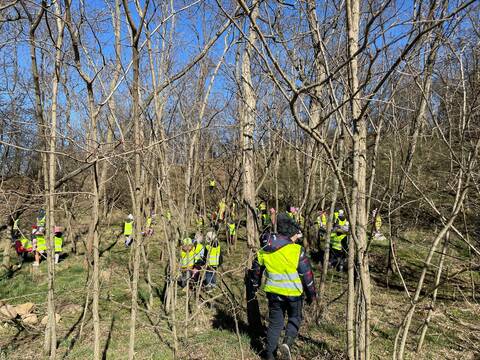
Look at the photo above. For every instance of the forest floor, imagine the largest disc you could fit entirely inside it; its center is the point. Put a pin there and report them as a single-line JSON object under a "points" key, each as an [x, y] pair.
{"points": [[217, 328]]}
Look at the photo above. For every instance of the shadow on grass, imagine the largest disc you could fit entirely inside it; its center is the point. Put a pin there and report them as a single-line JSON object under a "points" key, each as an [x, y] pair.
{"points": [[70, 332], [109, 338], [224, 320]]}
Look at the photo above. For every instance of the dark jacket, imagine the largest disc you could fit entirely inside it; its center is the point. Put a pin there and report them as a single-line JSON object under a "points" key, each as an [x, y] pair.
{"points": [[273, 242]]}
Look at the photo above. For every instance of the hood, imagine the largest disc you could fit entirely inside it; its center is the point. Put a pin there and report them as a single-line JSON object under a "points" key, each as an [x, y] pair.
{"points": [[273, 242]]}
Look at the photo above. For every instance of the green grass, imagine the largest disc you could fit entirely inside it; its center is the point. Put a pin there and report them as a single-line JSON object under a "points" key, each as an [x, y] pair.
{"points": [[212, 334]]}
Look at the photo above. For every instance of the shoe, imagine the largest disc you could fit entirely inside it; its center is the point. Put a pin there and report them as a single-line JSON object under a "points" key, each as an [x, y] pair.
{"points": [[284, 352]]}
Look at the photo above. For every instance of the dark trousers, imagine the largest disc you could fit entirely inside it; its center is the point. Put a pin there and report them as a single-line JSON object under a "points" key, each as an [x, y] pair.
{"points": [[277, 307]]}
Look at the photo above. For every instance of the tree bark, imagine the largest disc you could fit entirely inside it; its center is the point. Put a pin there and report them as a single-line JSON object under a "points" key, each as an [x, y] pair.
{"points": [[247, 125]]}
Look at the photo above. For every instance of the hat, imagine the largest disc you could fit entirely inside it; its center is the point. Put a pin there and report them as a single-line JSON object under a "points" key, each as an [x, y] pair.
{"points": [[287, 226], [130, 217], [187, 241], [211, 236], [341, 213]]}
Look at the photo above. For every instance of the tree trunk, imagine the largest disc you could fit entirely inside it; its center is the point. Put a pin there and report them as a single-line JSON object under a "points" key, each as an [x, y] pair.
{"points": [[247, 125], [50, 344]]}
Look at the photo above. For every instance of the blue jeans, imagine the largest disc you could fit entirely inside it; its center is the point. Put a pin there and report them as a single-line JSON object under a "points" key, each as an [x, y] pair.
{"points": [[210, 276]]}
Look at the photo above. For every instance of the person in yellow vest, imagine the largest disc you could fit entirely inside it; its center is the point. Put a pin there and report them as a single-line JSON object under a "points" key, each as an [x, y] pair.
{"points": [[377, 224], [321, 227], [213, 259], [339, 241], [128, 230], [289, 277], [22, 245], [199, 223], [231, 232], [222, 207], [212, 185], [187, 261], [149, 225], [168, 216], [39, 244], [58, 241]]}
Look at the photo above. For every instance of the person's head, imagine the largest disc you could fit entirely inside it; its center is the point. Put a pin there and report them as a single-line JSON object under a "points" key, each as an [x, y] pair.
{"points": [[198, 237], [187, 243], [41, 213], [130, 217], [211, 236], [341, 215], [288, 227]]}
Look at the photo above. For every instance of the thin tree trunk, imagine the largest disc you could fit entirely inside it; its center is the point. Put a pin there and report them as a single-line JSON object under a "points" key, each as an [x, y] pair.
{"points": [[358, 216], [137, 190], [247, 125], [50, 333]]}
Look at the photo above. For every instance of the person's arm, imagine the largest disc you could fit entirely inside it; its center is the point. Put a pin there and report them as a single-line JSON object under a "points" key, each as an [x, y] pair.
{"points": [[304, 269], [256, 273]]}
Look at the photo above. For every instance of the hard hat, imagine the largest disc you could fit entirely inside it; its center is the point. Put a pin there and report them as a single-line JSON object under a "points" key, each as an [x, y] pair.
{"points": [[187, 241], [341, 213], [130, 217]]}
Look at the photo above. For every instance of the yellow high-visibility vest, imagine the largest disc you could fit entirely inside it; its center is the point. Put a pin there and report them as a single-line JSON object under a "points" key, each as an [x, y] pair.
{"points": [[378, 222], [198, 252], [187, 259], [41, 243], [128, 228], [58, 243], [232, 229], [213, 256], [26, 244], [41, 222], [336, 240], [281, 270]]}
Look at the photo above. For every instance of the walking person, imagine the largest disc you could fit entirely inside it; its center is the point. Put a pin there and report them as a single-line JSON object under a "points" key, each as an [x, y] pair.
{"points": [[289, 277]]}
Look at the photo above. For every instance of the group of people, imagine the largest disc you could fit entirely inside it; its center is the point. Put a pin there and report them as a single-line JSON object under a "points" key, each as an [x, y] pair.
{"points": [[36, 244], [289, 277], [197, 254]]}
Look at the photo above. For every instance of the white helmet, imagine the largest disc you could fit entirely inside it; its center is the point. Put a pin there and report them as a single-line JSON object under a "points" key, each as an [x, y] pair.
{"points": [[130, 217]]}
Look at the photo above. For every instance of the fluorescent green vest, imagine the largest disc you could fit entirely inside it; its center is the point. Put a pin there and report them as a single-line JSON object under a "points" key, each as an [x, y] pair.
{"points": [[128, 228], [281, 270], [232, 229], [187, 259], [41, 243], [266, 218], [336, 240], [58, 243], [41, 222], [378, 222], [213, 258], [148, 223], [198, 253], [26, 243]]}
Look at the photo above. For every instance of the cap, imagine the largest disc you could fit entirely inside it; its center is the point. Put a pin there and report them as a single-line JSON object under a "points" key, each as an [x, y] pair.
{"points": [[287, 226], [187, 241]]}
